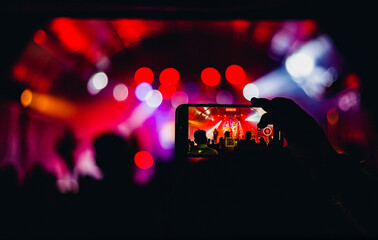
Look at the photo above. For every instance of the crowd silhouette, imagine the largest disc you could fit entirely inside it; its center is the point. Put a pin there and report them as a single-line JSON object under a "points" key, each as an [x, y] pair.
{"points": [[256, 190], [227, 145]]}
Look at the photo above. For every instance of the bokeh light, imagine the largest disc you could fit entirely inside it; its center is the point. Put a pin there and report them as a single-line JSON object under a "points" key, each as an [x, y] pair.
{"points": [[332, 116], [154, 98], [235, 74], [97, 82], [224, 97], [144, 74], [147, 79], [120, 92], [167, 135], [143, 160], [169, 76], [100, 80], [142, 90], [299, 65], [352, 80], [210, 77], [250, 90], [191, 89], [26, 97], [39, 36], [167, 91], [349, 101], [179, 98]]}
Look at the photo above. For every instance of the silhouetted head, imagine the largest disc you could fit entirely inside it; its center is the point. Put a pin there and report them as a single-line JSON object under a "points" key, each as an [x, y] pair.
{"points": [[248, 135], [65, 147], [262, 141], [200, 137], [8, 176], [113, 154], [227, 134]]}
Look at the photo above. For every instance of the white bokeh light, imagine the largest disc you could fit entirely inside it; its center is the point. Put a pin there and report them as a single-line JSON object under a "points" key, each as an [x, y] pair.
{"points": [[250, 90], [299, 65], [120, 92], [167, 135], [154, 98], [99, 80], [142, 90]]}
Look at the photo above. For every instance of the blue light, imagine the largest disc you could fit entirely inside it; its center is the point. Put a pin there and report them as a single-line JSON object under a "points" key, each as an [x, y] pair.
{"points": [[142, 90]]}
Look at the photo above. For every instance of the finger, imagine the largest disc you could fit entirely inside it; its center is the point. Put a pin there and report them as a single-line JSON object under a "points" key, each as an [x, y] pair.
{"points": [[267, 118], [261, 102]]}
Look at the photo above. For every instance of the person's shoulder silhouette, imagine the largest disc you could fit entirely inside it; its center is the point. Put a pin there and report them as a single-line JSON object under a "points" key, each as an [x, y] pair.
{"points": [[201, 148]]}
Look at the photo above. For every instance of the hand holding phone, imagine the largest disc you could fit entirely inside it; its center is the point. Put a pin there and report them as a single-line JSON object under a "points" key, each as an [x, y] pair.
{"points": [[305, 138]]}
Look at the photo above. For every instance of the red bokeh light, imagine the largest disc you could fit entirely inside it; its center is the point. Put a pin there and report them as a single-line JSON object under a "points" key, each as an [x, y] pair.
{"points": [[210, 76], [39, 36], [144, 74], [169, 76], [167, 91], [332, 116], [307, 28], [70, 34], [263, 32], [143, 160], [352, 81], [235, 74]]}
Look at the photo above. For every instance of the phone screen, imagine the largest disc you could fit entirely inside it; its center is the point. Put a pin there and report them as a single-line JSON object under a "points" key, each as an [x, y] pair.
{"points": [[213, 130]]}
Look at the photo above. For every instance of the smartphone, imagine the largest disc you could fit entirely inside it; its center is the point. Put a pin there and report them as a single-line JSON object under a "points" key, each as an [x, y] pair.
{"points": [[210, 130]]}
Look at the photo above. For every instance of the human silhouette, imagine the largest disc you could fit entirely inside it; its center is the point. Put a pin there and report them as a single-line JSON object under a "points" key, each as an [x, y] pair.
{"points": [[65, 147], [247, 144], [39, 206], [215, 135], [10, 201], [201, 149], [339, 177], [115, 207], [303, 190]]}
